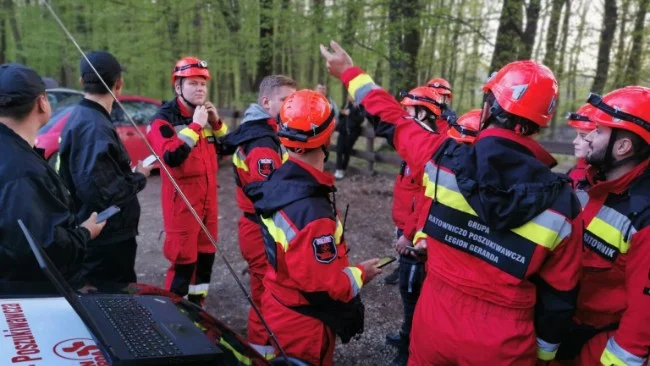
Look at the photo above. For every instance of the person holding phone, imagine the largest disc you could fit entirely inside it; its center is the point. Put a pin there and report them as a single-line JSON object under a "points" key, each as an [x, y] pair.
{"points": [[184, 133], [30, 190], [311, 291], [96, 168], [425, 105], [503, 233]]}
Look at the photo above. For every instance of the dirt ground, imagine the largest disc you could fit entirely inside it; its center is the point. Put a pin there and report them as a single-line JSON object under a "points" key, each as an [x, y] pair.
{"points": [[369, 233]]}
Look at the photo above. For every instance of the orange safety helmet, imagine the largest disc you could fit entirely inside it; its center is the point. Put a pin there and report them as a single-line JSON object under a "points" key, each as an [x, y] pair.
{"points": [[580, 118], [190, 66], [523, 88], [625, 109], [441, 86], [424, 97], [466, 128], [306, 120]]}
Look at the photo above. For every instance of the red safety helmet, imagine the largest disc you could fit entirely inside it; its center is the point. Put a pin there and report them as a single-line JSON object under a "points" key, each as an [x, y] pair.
{"points": [[424, 97], [441, 86], [190, 66], [306, 120], [526, 89], [580, 118], [626, 109], [466, 128]]}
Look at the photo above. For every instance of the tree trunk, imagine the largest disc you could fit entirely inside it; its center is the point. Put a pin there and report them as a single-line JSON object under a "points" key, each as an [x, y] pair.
{"points": [[3, 38], [528, 37], [10, 9], [619, 61], [317, 70], [411, 40], [551, 35], [508, 40], [605, 46], [634, 62], [265, 61], [564, 39], [352, 13], [575, 57], [538, 46]]}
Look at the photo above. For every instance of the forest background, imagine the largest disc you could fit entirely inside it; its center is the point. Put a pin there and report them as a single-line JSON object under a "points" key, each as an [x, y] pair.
{"points": [[590, 45]]}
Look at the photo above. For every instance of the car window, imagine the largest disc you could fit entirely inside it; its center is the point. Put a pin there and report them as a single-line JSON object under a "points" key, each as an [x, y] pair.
{"points": [[141, 112], [56, 116]]}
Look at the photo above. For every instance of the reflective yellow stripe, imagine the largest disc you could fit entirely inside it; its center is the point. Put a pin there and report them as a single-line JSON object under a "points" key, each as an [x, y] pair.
{"points": [[200, 289], [419, 236], [358, 82], [241, 358], [613, 227], [189, 136], [222, 131], [339, 231], [207, 131], [279, 229], [240, 160], [609, 234], [547, 229], [356, 282], [615, 355]]}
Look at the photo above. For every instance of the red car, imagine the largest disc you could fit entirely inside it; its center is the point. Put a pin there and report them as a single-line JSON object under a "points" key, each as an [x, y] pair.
{"points": [[141, 110]]}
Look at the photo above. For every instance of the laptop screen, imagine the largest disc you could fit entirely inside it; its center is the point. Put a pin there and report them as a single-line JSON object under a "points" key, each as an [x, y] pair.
{"points": [[61, 284]]}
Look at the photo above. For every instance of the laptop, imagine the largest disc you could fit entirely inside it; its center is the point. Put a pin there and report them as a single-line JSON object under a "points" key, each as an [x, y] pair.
{"points": [[133, 330]]}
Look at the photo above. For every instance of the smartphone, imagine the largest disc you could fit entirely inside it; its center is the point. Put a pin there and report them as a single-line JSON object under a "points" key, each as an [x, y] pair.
{"points": [[419, 252], [149, 160], [107, 213], [385, 261]]}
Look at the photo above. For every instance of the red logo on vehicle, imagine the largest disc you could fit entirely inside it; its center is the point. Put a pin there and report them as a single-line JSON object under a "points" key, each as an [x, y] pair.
{"points": [[80, 349]]}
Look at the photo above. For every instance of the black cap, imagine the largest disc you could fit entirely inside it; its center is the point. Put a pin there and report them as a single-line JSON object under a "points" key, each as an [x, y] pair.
{"points": [[19, 85], [105, 64]]}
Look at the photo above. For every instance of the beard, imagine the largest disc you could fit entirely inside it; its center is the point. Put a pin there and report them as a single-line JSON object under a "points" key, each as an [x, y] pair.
{"points": [[597, 157]]}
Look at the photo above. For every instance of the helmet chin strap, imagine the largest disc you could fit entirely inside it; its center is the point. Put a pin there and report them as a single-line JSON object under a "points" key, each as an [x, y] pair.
{"points": [[189, 104], [326, 152]]}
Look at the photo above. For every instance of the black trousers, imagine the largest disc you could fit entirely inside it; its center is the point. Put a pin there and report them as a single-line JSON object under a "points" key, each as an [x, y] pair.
{"points": [[411, 278], [110, 263], [345, 143]]}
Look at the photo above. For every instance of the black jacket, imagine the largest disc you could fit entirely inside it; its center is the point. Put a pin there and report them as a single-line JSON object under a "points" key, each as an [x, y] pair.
{"points": [[97, 169], [30, 190]]}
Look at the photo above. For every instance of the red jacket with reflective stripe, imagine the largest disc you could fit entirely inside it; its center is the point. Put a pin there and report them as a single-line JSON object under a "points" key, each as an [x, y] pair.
{"points": [[254, 161], [303, 236], [188, 150], [615, 283], [513, 259], [406, 191]]}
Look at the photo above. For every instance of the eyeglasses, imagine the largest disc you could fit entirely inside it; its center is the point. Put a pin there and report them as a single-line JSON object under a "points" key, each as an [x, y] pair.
{"points": [[597, 101], [201, 65], [577, 117]]}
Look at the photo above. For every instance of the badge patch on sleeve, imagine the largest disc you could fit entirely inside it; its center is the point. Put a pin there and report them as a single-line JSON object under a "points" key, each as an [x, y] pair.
{"points": [[324, 248], [265, 167]]}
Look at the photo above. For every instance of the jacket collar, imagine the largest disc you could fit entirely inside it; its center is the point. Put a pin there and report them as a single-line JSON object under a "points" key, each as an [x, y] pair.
{"points": [[619, 185], [96, 106], [531, 145], [323, 178]]}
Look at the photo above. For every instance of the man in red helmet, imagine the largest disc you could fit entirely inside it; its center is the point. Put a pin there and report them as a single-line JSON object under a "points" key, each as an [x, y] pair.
{"points": [[613, 317], [423, 104], [583, 126], [500, 229], [183, 132], [311, 292], [256, 152]]}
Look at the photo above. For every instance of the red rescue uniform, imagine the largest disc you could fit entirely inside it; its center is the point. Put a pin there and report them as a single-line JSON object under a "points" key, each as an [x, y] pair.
{"points": [[503, 240], [190, 154], [311, 290], [257, 154]]}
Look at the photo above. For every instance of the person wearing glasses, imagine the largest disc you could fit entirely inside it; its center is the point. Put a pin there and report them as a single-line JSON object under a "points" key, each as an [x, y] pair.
{"points": [[184, 134]]}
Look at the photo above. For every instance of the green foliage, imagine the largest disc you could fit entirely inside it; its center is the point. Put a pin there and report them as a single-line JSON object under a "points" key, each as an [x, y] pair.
{"points": [[457, 40]]}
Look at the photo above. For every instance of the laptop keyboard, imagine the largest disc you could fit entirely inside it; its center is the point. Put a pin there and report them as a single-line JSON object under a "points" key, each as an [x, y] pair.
{"points": [[135, 325]]}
